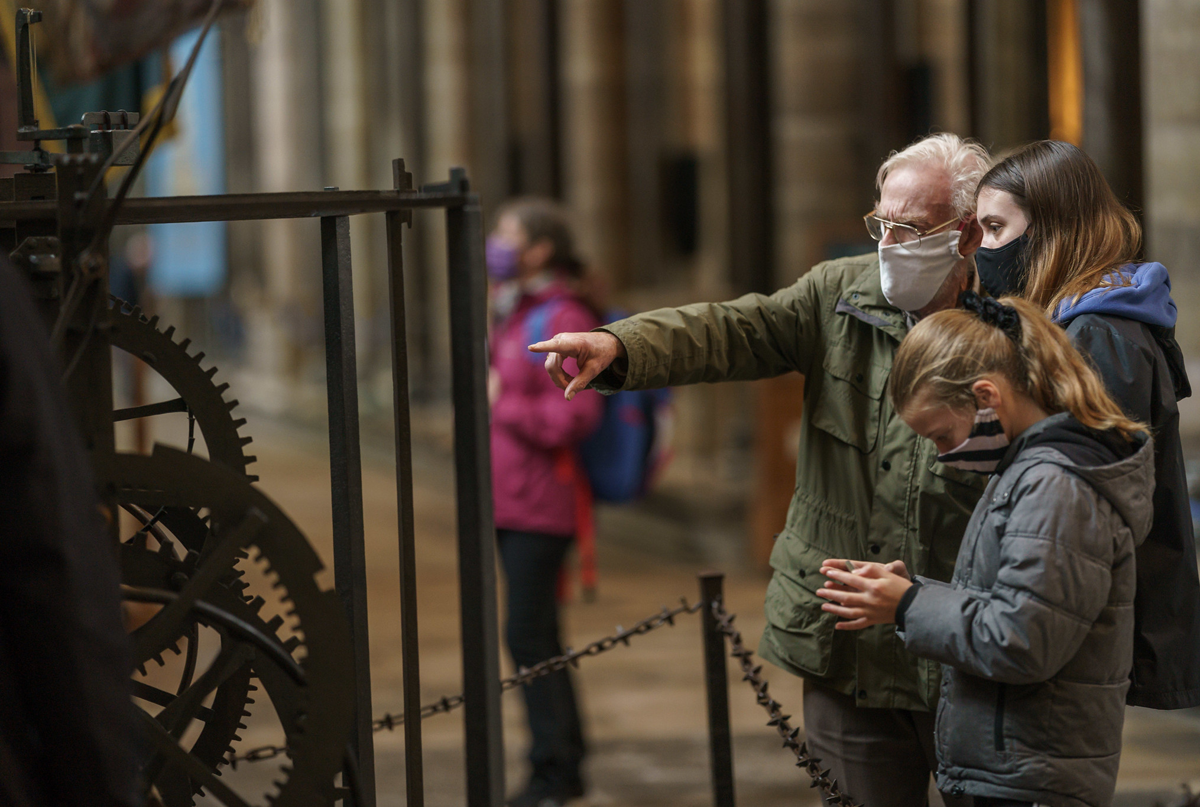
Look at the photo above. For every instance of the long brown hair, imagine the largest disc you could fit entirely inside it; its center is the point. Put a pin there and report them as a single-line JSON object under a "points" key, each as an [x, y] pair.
{"points": [[1079, 232], [544, 219], [947, 352]]}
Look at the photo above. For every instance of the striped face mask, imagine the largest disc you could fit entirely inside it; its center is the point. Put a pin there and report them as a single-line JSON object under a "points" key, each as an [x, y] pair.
{"points": [[984, 447]]}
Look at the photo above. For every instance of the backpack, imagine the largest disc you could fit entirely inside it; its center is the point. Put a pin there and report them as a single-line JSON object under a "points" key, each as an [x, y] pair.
{"points": [[625, 453]]}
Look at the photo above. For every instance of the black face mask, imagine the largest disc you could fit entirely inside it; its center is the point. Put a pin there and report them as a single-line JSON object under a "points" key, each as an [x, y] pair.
{"points": [[1002, 270]]}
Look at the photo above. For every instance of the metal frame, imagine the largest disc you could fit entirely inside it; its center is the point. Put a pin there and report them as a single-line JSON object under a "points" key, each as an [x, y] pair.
{"points": [[464, 235]]}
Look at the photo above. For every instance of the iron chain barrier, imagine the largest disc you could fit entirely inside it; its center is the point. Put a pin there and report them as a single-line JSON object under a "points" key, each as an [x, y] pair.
{"points": [[752, 674], [721, 624], [523, 676]]}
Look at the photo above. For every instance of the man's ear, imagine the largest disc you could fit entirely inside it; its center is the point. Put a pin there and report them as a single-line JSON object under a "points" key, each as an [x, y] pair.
{"points": [[971, 238], [987, 394]]}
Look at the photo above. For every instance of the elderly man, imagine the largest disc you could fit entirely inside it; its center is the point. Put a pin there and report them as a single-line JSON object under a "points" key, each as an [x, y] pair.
{"points": [[866, 485]]}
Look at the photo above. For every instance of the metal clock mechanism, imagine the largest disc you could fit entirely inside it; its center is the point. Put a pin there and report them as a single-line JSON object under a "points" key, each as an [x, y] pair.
{"points": [[228, 623]]}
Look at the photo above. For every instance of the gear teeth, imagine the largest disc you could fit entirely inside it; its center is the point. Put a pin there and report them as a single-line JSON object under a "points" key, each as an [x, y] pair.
{"points": [[198, 357], [247, 441], [221, 388], [291, 644], [211, 371], [136, 311], [275, 623], [153, 321], [252, 478], [141, 668], [251, 458], [240, 422], [169, 332], [185, 344], [231, 405], [256, 604], [159, 659]]}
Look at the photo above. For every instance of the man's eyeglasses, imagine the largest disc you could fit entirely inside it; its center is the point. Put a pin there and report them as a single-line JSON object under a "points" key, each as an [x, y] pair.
{"points": [[905, 234]]}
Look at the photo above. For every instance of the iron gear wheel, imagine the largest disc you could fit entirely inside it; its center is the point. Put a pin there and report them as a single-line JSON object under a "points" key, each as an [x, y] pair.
{"points": [[131, 331], [303, 675], [181, 534]]}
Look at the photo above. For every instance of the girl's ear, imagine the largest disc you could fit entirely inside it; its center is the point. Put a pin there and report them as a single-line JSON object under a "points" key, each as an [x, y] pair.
{"points": [[987, 394]]}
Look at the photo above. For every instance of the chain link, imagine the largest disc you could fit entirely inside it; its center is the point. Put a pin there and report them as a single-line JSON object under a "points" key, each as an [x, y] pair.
{"points": [[752, 674], [523, 676]]}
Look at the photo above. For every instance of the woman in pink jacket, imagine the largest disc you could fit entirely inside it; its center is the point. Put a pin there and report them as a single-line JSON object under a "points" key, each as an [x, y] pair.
{"points": [[536, 477]]}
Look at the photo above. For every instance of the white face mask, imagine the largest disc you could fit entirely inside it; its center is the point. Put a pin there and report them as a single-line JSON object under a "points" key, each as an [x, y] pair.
{"points": [[913, 275]]}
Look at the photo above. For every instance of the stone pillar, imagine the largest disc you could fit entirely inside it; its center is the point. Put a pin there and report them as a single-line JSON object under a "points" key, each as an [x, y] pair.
{"points": [[817, 125], [447, 138], [535, 106], [1171, 65], [594, 131], [1009, 72], [349, 66], [284, 326], [1112, 98]]}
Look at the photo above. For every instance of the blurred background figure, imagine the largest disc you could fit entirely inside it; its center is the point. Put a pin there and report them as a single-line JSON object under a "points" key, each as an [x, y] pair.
{"points": [[541, 491]]}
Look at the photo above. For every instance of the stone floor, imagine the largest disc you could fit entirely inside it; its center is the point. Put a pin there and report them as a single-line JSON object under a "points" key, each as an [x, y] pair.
{"points": [[643, 705]]}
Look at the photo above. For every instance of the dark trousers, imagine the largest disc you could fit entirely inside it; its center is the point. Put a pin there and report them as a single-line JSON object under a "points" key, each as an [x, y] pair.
{"points": [[881, 757], [532, 563]]}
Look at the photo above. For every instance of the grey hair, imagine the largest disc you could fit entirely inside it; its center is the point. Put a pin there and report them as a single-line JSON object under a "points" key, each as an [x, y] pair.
{"points": [[964, 161]]}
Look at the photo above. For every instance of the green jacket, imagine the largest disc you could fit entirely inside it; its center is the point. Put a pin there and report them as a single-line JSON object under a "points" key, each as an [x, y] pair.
{"points": [[867, 487]]}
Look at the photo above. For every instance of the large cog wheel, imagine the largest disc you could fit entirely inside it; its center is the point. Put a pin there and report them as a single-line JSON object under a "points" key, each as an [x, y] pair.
{"points": [[304, 675], [180, 535], [138, 335]]}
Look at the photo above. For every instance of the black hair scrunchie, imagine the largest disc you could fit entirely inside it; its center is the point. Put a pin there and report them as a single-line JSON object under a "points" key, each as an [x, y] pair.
{"points": [[1004, 317]]}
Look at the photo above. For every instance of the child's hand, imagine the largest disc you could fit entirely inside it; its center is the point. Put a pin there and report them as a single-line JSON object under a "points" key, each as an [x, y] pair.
{"points": [[866, 596]]}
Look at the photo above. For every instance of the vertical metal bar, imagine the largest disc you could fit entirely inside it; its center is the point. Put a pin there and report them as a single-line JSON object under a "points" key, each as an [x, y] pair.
{"points": [[349, 551], [26, 116], [716, 682], [409, 645], [473, 473]]}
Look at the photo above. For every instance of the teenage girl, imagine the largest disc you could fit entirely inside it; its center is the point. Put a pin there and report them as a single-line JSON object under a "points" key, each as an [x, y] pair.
{"points": [[1035, 630], [1055, 234]]}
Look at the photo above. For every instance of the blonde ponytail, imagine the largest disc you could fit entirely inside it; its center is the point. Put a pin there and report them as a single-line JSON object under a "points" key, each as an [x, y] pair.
{"points": [[947, 352]]}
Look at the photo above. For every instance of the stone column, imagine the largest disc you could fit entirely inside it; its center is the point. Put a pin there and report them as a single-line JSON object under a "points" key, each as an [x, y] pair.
{"points": [[284, 326], [594, 131], [1171, 65], [1010, 86], [818, 128], [447, 136]]}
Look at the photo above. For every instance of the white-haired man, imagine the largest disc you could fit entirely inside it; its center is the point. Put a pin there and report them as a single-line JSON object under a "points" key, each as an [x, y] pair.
{"points": [[867, 486]]}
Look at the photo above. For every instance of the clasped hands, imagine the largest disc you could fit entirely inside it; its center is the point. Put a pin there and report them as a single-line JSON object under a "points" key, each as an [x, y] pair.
{"points": [[866, 596]]}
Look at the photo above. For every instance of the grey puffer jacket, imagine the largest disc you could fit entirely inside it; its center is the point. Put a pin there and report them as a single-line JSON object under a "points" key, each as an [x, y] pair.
{"points": [[1035, 630]]}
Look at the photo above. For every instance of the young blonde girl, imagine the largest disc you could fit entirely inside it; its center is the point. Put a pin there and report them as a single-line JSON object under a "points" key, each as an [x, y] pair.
{"points": [[1036, 627]]}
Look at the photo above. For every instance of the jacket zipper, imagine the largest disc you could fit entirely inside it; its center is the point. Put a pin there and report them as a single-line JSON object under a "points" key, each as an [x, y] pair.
{"points": [[999, 725]]}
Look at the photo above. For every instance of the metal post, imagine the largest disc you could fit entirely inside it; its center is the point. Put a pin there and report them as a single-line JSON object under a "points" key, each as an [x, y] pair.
{"points": [[409, 645], [716, 682], [349, 551], [473, 474]]}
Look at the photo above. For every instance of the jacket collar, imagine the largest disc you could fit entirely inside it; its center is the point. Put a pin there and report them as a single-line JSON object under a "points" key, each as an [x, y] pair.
{"points": [[863, 299]]}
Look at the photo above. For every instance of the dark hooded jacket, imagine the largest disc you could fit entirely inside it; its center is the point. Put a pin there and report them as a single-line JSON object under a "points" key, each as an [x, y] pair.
{"points": [[1128, 333], [1035, 630]]}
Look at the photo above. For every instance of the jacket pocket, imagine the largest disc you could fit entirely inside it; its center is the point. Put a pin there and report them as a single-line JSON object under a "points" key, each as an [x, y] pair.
{"points": [[800, 632], [847, 403], [973, 724], [1086, 720]]}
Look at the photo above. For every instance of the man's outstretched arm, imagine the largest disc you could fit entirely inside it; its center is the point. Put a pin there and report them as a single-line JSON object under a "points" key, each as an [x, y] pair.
{"points": [[752, 337]]}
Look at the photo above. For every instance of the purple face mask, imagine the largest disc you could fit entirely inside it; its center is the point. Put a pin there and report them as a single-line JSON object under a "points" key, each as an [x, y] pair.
{"points": [[503, 259]]}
